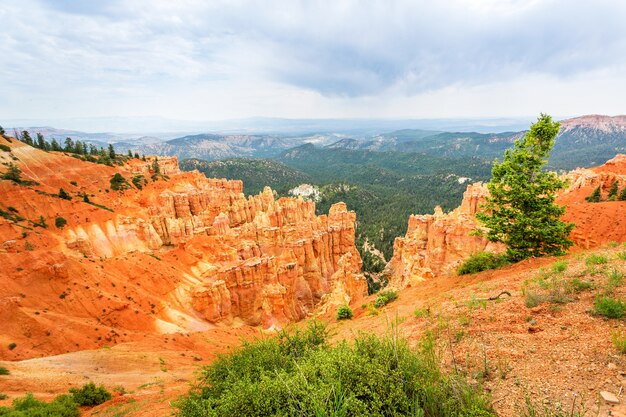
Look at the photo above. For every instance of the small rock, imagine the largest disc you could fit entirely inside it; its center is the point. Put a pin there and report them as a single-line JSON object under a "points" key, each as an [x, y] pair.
{"points": [[609, 397], [611, 365]]}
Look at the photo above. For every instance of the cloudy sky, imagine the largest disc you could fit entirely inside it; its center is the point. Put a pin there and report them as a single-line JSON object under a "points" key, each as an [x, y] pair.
{"points": [[213, 60]]}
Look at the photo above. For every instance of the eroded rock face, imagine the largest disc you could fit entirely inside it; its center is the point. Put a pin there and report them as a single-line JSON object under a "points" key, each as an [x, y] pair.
{"points": [[261, 260], [435, 244], [182, 253]]}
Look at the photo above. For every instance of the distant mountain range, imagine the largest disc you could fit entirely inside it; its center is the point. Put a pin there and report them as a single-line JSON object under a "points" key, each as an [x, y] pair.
{"points": [[583, 141]]}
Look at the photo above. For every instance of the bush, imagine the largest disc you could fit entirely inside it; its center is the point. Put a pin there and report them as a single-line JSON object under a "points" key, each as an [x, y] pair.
{"points": [[28, 406], [139, 181], [89, 394], [64, 195], [5, 148], [119, 183], [12, 345], [559, 266], [595, 196], [610, 307], [344, 313], [384, 298], [4, 371], [60, 222], [482, 261], [371, 376]]}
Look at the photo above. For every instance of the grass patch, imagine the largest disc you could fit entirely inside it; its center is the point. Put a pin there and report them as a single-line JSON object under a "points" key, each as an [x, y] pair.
{"points": [[384, 298], [612, 308], [482, 261], [300, 374], [619, 341], [621, 255], [596, 259]]}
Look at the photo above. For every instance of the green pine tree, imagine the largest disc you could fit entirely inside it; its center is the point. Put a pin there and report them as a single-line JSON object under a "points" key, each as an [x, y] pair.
{"points": [[613, 191], [41, 143], [521, 211], [26, 138], [622, 195], [2, 132], [111, 152], [595, 196]]}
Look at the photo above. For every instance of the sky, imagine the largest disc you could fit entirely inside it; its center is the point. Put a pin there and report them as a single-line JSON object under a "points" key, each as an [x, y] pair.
{"points": [[218, 60]]}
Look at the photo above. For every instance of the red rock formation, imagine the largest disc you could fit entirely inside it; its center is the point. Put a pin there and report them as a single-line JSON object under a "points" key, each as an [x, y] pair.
{"points": [[179, 255], [435, 244]]}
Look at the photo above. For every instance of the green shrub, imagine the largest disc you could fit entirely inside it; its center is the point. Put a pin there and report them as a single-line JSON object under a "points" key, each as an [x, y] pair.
{"points": [[482, 261], [139, 181], [344, 313], [533, 298], [595, 196], [621, 255], [579, 285], [12, 345], [28, 406], [4, 371], [119, 183], [559, 266], [5, 148], [89, 394], [384, 298], [615, 279], [595, 259], [3, 396], [60, 222], [370, 377], [619, 341], [64, 195], [610, 307]]}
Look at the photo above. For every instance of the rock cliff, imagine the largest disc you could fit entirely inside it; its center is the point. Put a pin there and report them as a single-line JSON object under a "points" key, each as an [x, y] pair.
{"points": [[435, 244], [180, 253]]}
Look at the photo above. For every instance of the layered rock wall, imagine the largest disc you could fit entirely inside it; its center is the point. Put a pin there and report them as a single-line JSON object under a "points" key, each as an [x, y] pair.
{"points": [[435, 244]]}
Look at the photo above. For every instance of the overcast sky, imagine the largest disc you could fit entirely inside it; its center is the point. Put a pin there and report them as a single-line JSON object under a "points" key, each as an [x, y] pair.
{"points": [[212, 60]]}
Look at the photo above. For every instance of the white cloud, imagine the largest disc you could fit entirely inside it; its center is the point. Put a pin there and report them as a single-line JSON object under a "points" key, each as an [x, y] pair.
{"points": [[223, 59]]}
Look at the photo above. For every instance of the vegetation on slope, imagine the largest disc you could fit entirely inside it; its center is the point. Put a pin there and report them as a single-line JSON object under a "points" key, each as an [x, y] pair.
{"points": [[255, 173], [520, 210], [300, 374]]}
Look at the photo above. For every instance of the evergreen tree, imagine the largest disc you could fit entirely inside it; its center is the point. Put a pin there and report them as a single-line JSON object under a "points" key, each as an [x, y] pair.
{"points": [[622, 195], [111, 152], [26, 138], [64, 195], [130, 154], [520, 210], [613, 191], [41, 143], [79, 148], [136, 155], [2, 132], [13, 173], [86, 198], [595, 196], [54, 145], [156, 170], [69, 145]]}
